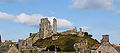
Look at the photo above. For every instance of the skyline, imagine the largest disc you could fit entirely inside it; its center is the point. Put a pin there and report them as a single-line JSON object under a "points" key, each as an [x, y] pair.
{"points": [[96, 17]]}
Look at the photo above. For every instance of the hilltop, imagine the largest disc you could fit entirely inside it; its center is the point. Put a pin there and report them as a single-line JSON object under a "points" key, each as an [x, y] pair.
{"points": [[64, 42]]}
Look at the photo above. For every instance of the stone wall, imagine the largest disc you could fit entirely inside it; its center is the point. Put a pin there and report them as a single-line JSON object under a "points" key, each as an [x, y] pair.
{"points": [[73, 31], [54, 26], [45, 28], [81, 33]]}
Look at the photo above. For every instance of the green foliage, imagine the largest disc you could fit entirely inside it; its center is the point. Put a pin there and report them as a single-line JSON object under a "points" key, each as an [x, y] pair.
{"points": [[65, 42], [22, 51], [52, 48], [33, 35], [90, 35], [57, 34], [86, 35]]}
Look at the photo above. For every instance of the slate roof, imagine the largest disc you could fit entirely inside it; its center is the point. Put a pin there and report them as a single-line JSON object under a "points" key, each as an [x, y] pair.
{"points": [[97, 45], [118, 48], [4, 49]]}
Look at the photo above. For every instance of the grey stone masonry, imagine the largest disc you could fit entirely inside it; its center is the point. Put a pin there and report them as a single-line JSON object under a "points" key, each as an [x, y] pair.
{"points": [[105, 39], [54, 26], [81, 34], [45, 28]]}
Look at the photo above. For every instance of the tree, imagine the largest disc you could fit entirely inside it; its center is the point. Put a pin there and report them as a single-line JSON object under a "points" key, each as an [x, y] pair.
{"points": [[90, 35], [52, 48]]}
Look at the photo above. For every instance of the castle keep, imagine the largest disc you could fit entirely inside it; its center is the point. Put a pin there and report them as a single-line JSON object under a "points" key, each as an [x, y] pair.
{"points": [[45, 28], [54, 26]]}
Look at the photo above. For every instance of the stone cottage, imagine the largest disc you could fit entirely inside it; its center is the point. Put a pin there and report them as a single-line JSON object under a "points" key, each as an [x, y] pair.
{"points": [[105, 46]]}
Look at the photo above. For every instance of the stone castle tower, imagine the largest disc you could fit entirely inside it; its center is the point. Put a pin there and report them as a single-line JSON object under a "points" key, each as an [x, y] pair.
{"points": [[54, 26], [81, 34], [0, 39], [45, 28]]}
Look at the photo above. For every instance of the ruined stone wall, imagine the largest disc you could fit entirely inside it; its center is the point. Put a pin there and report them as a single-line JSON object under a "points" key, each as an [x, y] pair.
{"points": [[81, 33], [73, 31], [54, 26], [21, 44], [29, 42], [45, 28]]}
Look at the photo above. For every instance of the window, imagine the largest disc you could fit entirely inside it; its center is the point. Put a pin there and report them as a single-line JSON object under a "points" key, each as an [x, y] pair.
{"points": [[99, 51]]}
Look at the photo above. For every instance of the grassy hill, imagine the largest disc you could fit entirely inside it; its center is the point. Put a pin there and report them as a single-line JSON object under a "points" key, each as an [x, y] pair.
{"points": [[64, 42]]}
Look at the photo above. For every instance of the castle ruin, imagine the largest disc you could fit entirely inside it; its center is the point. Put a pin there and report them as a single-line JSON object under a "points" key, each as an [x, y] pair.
{"points": [[54, 26], [73, 31], [45, 28], [80, 33]]}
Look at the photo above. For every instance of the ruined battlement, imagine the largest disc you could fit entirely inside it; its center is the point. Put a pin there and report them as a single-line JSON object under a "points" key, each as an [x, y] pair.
{"points": [[21, 40], [45, 28], [73, 31]]}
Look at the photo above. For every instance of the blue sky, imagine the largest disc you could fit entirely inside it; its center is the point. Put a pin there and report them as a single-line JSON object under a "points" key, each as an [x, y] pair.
{"points": [[98, 17]]}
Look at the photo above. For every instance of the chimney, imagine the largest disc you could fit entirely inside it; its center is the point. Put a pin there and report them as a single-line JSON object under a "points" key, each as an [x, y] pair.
{"points": [[105, 39]]}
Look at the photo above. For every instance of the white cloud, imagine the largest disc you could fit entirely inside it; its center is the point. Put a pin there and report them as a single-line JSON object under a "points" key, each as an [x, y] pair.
{"points": [[93, 4], [30, 20], [118, 11], [34, 20], [6, 16], [64, 24], [85, 28]]}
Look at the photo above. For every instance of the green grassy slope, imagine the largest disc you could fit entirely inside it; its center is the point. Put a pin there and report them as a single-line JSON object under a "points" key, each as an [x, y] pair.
{"points": [[65, 42]]}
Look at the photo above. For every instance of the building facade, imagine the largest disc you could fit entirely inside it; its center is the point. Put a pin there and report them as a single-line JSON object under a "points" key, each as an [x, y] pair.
{"points": [[105, 46]]}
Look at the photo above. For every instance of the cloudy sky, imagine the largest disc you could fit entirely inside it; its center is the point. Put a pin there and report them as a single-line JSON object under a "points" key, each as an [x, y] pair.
{"points": [[18, 18]]}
